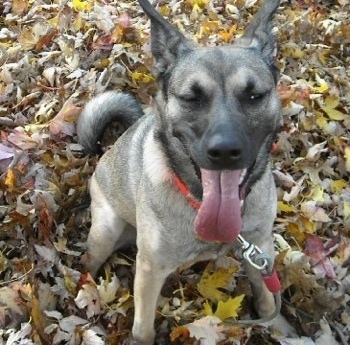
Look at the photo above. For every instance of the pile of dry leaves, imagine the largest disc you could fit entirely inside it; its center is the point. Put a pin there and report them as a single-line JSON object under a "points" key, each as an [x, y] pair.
{"points": [[57, 54]]}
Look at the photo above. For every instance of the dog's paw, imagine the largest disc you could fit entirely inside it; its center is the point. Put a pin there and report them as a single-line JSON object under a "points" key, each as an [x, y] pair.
{"points": [[281, 327]]}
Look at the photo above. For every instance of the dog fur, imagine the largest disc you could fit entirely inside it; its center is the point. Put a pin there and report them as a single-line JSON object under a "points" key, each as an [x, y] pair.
{"points": [[216, 115]]}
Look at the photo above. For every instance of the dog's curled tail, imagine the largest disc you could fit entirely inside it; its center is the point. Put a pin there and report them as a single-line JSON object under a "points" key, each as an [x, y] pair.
{"points": [[101, 111]]}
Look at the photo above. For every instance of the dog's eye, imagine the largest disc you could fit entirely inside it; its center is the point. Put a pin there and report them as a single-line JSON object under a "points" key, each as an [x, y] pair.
{"points": [[256, 96], [192, 98], [195, 95], [189, 98]]}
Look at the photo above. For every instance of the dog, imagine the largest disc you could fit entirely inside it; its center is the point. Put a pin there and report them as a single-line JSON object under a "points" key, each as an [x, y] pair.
{"points": [[193, 173]]}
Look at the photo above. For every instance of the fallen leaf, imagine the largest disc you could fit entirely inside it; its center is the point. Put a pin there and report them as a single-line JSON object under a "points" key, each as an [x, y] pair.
{"points": [[312, 211], [212, 281], [107, 289], [227, 309], [82, 5], [329, 107], [347, 158], [19, 6], [319, 256], [89, 298], [206, 330], [63, 122]]}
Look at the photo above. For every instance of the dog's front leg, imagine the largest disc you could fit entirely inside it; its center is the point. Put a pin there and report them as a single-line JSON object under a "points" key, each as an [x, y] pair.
{"points": [[149, 278], [263, 299], [259, 218]]}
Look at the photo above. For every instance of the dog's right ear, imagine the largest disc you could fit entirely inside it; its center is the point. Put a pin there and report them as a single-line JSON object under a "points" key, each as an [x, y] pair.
{"points": [[259, 33], [167, 43]]}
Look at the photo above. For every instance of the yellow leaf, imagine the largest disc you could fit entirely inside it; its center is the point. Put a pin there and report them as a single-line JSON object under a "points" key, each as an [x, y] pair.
{"points": [[323, 56], [284, 207], [141, 77], [226, 35], [334, 114], [165, 10], [82, 5], [230, 308], [317, 193], [338, 185], [346, 209], [308, 224], [294, 231], [198, 3], [330, 103], [347, 158], [10, 179], [322, 85], [322, 122], [294, 52], [78, 23], [207, 309], [54, 21], [211, 281]]}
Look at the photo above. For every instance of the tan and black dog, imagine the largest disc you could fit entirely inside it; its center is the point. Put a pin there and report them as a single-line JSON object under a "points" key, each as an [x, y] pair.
{"points": [[210, 133]]}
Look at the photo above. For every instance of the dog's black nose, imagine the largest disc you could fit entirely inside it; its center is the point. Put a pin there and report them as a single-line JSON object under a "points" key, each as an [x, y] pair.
{"points": [[224, 150]]}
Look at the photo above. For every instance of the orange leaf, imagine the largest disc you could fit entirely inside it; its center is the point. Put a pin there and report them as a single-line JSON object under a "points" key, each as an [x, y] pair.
{"points": [[10, 179], [178, 332]]}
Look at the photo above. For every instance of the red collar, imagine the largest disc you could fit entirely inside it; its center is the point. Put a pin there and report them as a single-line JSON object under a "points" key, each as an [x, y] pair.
{"points": [[188, 195], [186, 192]]}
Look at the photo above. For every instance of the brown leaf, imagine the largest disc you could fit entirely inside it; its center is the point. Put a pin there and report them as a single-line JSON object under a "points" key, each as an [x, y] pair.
{"points": [[19, 6], [63, 122]]}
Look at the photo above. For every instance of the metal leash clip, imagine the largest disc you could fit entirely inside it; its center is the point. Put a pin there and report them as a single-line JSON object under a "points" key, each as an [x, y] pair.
{"points": [[262, 262], [255, 256]]}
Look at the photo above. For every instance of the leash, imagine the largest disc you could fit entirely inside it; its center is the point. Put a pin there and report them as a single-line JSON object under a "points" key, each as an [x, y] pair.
{"points": [[251, 254], [263, 263]]}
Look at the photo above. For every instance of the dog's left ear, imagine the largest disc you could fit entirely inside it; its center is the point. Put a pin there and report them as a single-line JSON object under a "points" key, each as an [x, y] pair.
{"points": [[167, 43], [259, 33]]}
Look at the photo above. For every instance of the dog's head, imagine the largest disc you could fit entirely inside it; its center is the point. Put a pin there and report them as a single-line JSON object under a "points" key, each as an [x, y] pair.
{"points": [[218, 105]]}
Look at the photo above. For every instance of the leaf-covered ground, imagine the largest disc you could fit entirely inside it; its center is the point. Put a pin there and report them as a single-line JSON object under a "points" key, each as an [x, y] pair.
{"points": [[57, 54]]}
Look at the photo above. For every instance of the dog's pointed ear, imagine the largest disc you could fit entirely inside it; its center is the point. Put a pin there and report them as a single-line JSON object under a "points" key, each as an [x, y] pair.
{"points": [[259, 33], [167, 43]]}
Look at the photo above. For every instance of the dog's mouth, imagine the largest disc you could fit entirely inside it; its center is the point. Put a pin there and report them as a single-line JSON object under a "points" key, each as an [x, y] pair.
{"points": [[219, 217]]}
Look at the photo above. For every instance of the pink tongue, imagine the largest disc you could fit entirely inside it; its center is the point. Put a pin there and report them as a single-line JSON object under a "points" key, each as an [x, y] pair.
{"points": [[219, 217]]}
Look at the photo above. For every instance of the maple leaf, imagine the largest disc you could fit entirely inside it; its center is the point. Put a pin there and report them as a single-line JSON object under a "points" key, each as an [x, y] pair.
{"points": [[107, 289], [329, 107], [22, 140], [63, 121], [82, 5], [319, 256], [91, 337], [210, 282], [206, 330], [338, 185], [312, 211], [88, 297], [20, 337], [227, 309]]}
